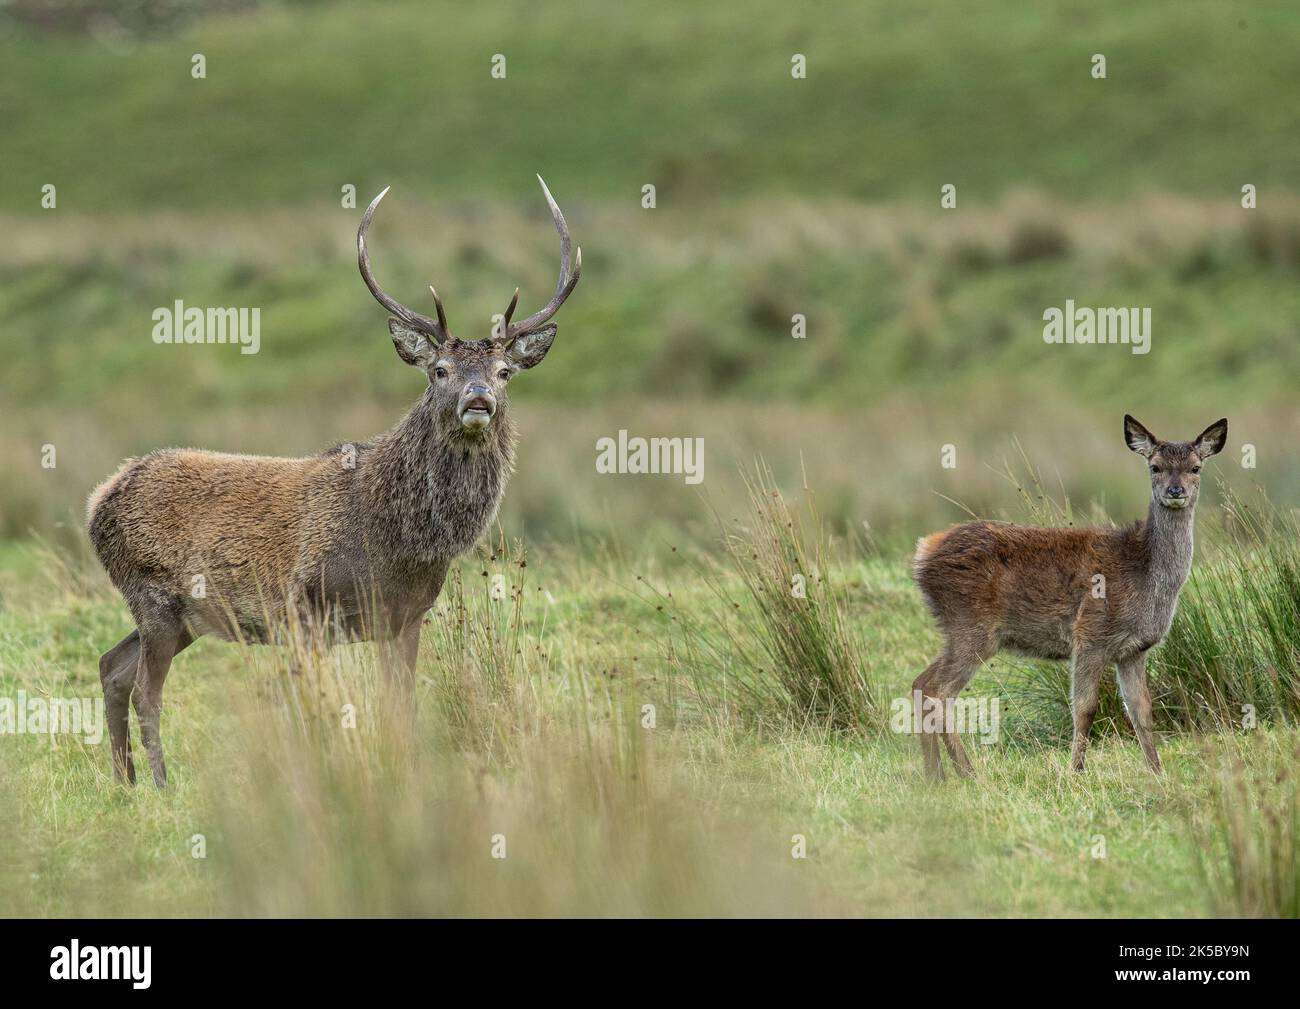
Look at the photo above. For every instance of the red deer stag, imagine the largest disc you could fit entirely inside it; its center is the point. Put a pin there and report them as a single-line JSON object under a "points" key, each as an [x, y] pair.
{"points": [[360, 535], [1098, 597]]}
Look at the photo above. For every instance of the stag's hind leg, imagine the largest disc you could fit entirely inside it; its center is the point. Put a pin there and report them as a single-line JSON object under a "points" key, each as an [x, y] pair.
{"points": [[159, 646], [117, 672]]}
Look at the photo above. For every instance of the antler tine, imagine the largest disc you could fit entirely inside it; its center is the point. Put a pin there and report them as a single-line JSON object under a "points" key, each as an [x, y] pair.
{"points": [[569, 273], [436, 329], [437, 304], [510, 311]]}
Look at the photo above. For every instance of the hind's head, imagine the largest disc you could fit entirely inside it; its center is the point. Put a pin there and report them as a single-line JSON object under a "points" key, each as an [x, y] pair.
{"points": [[467, 378], [1175, 466]]}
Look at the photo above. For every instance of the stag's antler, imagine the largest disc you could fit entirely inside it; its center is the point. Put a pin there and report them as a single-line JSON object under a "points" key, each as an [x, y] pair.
{"points": [[435, 329], [563, 288]]}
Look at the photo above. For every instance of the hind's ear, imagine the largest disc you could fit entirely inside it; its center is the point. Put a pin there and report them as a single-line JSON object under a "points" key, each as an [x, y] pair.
{"points": [[1139, 439], [412, 346], [1211, 441], [529, 348]]}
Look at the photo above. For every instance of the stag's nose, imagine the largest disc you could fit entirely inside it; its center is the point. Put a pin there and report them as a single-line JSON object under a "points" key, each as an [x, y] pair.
{"points": [[478, 394], [477, 405], [1175, 491]]}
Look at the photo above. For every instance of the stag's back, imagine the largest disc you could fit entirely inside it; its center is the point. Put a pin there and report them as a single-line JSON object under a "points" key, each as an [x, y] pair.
{"points": [[215, 533]]}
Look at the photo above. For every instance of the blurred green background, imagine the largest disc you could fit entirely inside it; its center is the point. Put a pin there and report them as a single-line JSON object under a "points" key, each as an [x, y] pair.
{"points": [[775, 196]]}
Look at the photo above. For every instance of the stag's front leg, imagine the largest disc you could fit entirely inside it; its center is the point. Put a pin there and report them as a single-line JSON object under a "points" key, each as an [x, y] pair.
{"points": [[398, 652], [1132, 679], [408, 645], [399, 649]]}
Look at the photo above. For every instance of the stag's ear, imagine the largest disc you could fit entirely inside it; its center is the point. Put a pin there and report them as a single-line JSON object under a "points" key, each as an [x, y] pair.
{"points": [[1139, 439], [1211, 441], [413, 347], [529, 348]]}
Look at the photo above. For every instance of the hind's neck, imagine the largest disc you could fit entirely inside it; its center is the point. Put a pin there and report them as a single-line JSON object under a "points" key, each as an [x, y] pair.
{"points": [[1168, 534]]}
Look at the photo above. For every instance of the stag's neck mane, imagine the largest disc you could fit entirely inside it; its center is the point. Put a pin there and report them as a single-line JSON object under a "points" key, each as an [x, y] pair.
{"points": [[434, 489]]}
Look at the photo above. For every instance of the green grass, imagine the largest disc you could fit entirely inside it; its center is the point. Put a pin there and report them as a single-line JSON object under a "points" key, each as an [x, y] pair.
{"points": [[532, 724], [653, 317], [900, 98]]}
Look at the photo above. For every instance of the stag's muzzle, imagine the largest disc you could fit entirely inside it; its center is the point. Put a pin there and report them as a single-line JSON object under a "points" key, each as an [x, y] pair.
{"points": [[477, 406]]}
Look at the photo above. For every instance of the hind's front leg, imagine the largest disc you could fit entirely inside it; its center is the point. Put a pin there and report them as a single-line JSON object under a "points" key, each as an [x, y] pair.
{"points": [[1132, 679], [1086, 669]]}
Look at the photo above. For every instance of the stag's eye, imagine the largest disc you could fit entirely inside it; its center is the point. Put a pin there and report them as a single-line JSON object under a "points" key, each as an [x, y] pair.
{"points": [[503, 374], [440, 372], [1196, 469], [1155, 469]]}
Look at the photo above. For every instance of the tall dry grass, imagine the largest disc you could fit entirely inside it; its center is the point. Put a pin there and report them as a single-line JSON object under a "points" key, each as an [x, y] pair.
{"points": [[1248, 836], [521, 785]]}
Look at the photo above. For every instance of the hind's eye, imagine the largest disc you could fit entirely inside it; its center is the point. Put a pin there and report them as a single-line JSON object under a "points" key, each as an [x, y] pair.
{"points": [[440, 372], [1155, 469], [1196, 469], [503, 374]]}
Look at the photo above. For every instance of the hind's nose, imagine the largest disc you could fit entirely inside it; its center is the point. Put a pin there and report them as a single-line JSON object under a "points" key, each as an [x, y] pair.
{"points": [[1175, 490]]}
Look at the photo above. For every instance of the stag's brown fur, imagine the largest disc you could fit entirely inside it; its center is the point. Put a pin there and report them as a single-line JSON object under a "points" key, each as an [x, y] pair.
{"points": [[373, 522], [1098, 597], [356, 540]]}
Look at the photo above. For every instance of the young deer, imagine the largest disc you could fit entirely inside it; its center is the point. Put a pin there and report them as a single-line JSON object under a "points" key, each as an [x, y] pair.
{"points": [[1094, 596], [358, 538]]}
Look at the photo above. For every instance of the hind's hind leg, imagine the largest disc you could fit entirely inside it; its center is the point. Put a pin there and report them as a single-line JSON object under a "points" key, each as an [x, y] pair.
{"points": [[924, 692], [117, 671], [961, 667], [943, 680]]}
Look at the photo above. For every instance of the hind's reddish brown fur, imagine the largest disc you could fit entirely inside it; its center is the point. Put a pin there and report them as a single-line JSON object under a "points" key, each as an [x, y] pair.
{"points": [[1098, 597]]}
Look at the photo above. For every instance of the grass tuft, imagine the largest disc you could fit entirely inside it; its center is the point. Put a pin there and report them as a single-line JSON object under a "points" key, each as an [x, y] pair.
{"points": [[776, 642], [1232, 655]]}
